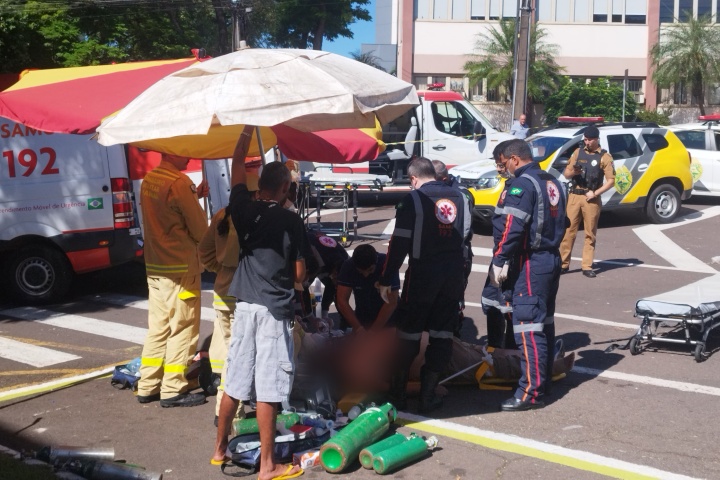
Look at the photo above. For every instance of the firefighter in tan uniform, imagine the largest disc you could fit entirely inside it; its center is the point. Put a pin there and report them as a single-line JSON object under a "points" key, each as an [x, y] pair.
{"points": [[173, 223]]}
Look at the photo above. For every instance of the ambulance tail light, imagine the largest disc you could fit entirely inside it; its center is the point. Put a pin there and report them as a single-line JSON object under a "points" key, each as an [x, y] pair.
{"points": [[123, 209]]}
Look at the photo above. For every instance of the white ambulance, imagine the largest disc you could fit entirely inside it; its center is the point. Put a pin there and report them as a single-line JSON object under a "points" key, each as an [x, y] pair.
{"points": [[66, 206]]}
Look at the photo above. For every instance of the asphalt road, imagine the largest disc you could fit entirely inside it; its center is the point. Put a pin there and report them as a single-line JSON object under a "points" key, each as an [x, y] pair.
{"points": [[647, 416]]}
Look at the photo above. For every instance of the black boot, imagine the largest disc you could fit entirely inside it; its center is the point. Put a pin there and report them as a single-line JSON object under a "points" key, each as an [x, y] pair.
{"points": [[398, 390], [429, 380]]}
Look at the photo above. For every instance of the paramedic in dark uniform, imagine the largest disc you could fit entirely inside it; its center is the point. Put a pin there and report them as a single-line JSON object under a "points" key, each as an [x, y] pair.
{"points": [[323, 262], [534, 210], [442, 175], [586, 169], [497, 299], [430, 228], [173, 225]]}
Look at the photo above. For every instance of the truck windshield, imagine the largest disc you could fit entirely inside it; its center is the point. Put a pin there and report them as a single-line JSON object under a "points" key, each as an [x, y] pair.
{"points": [[478, 114], [543, 147]]}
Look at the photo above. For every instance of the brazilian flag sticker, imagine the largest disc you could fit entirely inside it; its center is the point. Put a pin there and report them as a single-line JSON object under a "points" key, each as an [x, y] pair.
{"points": [[95, 203], [516, 191]]}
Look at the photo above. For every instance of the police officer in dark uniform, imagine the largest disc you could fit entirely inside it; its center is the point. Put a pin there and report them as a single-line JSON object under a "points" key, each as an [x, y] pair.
{"points": [[534, 209], [586, 169], [430, 228], [497, 299]]}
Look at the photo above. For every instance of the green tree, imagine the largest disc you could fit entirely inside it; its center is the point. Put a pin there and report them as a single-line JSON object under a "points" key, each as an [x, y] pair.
{"points": [[368, 58], [494, 61], [306, 23], [599, 98], [688, 53]]}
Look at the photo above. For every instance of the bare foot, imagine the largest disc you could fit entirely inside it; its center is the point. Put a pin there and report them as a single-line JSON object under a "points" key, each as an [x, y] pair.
{"points": [[281, 471], [219, 454]]}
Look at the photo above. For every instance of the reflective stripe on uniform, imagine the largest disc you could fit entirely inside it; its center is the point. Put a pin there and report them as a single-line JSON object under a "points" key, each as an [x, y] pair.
{"points": [[174, 368], [549, 320], [528, 327], [409, 336], [440, 334], [155, 268], [217, 364], [516, 212], [151, 362], [495, 304], [402, 232], [188, 294], [224, 301], [417, 233], [540, 212]]}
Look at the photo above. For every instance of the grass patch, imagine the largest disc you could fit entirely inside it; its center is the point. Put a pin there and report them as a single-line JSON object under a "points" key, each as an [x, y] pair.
{"points": [[17, 470]]}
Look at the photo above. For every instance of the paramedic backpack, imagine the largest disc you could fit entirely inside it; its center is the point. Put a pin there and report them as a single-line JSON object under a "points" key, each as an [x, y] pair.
{"points": [[245, 450]]}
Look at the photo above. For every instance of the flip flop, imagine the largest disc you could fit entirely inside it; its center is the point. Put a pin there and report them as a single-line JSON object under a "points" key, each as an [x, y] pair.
{"points": [[219, 462], [286, 475]]}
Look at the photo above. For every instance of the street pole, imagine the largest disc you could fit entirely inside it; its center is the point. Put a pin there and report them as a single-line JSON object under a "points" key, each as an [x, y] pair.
{"points": [[625, 82], [522, 58]]}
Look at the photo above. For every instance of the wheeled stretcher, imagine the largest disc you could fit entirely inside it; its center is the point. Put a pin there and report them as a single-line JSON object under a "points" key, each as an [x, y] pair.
{"points": [[340, 186], [683, 316]]}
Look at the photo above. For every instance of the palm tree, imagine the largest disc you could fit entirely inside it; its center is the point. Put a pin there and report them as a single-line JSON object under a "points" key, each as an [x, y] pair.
{"points": [[688, 53], [368, 58], [494, 61]]}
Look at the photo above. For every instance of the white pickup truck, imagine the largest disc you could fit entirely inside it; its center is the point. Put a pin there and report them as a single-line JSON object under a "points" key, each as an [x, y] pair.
{"points": [[445, 127]]}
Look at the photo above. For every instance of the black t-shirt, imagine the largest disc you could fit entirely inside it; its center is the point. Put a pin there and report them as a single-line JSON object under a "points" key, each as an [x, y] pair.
{"points": [[272, 239], [327, 252], [367, 298]]}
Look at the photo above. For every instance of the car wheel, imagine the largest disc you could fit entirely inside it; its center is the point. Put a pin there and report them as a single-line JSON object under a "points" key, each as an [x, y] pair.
{"points": [[663, 204], [39, 274]]}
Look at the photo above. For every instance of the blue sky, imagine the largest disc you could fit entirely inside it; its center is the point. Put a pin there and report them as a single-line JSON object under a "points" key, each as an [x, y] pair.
{"points": [[364, 32]]}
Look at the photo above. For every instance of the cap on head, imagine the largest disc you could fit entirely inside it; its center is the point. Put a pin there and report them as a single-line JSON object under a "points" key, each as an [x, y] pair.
{"points": [[591, 132]]}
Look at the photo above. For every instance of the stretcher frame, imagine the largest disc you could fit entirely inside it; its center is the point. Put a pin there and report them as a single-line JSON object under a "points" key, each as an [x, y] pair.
{"points": [[333, 186], [695, 319]]}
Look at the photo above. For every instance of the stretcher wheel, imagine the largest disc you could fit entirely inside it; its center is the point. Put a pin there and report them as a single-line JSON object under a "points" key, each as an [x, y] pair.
{"points": [[634, 347], [700, 352]]}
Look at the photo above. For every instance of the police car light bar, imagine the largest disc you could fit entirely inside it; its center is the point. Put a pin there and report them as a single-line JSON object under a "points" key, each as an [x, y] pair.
{"points": [[581, 119], [709, 118]]}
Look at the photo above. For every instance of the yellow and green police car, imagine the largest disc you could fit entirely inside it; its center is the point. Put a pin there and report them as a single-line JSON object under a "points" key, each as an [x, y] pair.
{"points": [[652, 167]]}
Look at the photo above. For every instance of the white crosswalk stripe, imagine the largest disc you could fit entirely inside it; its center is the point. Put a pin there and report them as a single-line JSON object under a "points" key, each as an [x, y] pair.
{"points": [[32, 355]]}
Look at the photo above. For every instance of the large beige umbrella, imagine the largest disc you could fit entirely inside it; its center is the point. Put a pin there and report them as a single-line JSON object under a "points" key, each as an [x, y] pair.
{"points": [[200, 111]]}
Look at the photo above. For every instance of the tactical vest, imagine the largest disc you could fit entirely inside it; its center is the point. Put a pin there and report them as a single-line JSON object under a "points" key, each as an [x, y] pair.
{"points": [[591, 177]]}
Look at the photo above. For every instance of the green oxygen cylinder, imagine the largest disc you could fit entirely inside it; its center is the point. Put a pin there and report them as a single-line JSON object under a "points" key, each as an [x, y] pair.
{"points": [[400, 455], [241, 426], [367, 454], [337, 453]]}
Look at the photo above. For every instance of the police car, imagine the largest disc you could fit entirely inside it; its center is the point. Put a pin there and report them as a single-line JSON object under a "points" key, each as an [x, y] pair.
{"points": [[702, 139], [652, 166]]}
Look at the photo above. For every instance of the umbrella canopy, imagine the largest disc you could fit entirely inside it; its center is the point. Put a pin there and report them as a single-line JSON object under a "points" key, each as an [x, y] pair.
{"points": [[76, 99], [201, 110]]}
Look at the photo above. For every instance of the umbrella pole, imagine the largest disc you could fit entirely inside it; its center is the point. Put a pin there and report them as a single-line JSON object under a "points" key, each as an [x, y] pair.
{"points": [[205, 199], [260, 145]]}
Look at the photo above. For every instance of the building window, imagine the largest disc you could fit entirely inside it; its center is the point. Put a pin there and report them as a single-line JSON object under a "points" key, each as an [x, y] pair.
{"points": [[544, 10], [581, 11], [667, 11], [634, 85], [617, 11], [510, 9], [477, 10], [459, 10], [562, 10], [600, 11], [704, 8], [494, 10], [440, 9], [635, 12], [493, 95], [423, 9], [685, 10], [680, 94]]}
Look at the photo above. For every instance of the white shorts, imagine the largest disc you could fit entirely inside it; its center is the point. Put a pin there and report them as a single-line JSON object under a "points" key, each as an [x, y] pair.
{"points": [[260, 356]]}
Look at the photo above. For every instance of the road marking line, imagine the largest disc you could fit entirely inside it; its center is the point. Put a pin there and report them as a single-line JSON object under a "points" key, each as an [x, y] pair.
{"points": [[114, 330], [655, 382], [32, 354], [206, 313], [53, 385], [390, 228], [576, 459], [658, 242]]}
